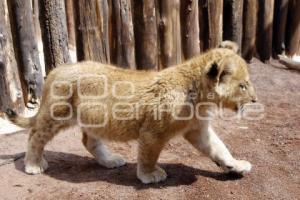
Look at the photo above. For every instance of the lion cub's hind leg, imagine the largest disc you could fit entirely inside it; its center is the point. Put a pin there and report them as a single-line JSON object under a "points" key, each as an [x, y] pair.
{"points": [[34, 160], [38, 138], [99, 150]]}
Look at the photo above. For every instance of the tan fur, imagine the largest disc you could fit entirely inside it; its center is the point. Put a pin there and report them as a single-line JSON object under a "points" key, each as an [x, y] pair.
{"points": [[230, 45], [169, 87]]}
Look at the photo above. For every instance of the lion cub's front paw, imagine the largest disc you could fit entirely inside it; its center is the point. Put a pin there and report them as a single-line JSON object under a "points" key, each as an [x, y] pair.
{"points": [[36, 168], [238, 166], [156, 176], [112, 161]]}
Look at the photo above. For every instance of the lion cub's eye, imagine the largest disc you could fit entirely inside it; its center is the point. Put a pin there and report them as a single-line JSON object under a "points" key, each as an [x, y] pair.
{"points": [[243, 87]]}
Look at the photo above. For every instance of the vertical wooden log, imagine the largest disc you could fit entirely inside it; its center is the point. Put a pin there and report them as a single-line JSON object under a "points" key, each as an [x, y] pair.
{"points": [[215, 23], [105, 13], [54, 33], [11, 95], [190, 28], [36, 21], [265, 29], [92, 27], [38, 33], [35, 13], [124, 45], [249, 28], [171, 34], [159, 34], [293, 29], [203, 25], [298, 49], [111, 32], [280, 20], [145, 28], [70, 23], [28, 50], [233, 21]]}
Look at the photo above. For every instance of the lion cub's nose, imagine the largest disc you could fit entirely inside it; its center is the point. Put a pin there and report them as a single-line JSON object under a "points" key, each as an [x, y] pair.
{"points": [[254, 100]]}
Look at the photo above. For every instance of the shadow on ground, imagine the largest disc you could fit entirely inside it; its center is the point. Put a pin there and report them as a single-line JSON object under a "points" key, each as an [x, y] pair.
{"points": [[78, 169]]}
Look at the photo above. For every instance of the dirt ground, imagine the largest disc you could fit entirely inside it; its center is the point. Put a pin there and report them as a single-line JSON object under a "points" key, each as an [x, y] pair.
{"points": [[272, 145]]}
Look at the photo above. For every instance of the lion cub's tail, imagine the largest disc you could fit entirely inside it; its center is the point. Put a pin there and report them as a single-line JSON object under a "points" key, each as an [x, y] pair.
{"points": [[19, 120]]}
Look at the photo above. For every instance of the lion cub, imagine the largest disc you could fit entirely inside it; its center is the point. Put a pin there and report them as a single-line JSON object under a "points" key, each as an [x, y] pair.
{"points": [[110, 103]]}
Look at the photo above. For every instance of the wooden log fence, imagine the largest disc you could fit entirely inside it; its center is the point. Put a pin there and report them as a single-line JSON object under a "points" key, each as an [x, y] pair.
{"points": [[146, 30], [233, 21], [190, 29], [69, 6], [123, 34], [10, 87], [92, 30], [28, 55], [265, 29], [171, 32], [293, 29], [280, 20], [215, 23], [54, 33], [134, 34], [249, 28]]}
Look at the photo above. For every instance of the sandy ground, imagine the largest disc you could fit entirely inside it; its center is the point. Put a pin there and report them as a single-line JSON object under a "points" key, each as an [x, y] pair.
{"points": [[272, 145]]}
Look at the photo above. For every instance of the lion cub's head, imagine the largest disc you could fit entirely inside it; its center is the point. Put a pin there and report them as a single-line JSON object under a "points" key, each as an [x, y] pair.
{"points": [[229, 80]]}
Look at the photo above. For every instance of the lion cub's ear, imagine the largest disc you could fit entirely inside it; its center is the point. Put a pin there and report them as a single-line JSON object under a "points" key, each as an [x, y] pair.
{"points": [[230, 45], [213, 71], [220, 71]]}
